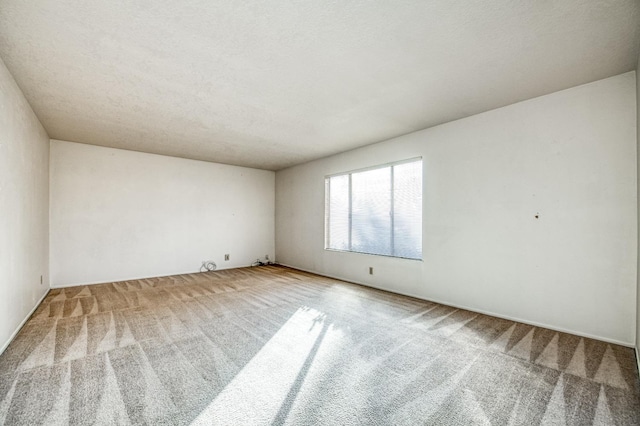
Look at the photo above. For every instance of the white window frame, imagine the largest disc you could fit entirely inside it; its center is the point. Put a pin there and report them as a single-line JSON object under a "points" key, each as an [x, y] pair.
{"points": [[327, 189]]}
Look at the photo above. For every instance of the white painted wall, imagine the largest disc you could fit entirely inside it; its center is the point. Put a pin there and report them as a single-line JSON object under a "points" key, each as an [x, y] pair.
{"points": [[570, 156], [24, 208], [119, 215], [638, 175]]}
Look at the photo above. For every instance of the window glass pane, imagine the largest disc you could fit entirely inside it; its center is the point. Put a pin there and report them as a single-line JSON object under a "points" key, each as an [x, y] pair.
{"points": [[407, 206], [371, 208], [377, 211], [338, 212]]}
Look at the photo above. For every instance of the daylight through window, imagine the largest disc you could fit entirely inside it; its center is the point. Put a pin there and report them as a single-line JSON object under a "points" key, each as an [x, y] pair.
{"points": [[376, 211]]}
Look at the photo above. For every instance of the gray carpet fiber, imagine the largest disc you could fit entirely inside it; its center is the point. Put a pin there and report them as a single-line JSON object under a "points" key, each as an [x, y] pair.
{"points": [[272, 345]]}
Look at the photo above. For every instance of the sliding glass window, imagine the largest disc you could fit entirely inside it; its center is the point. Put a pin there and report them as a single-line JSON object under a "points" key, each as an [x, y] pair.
{"points": [[376, 211]]}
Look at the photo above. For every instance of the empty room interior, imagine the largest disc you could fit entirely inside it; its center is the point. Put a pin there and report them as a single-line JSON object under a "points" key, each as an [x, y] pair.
{"points": [[419, 212]]}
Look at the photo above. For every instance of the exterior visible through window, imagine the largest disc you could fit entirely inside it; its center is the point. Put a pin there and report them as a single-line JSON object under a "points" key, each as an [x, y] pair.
{"points": [[376, 211]]}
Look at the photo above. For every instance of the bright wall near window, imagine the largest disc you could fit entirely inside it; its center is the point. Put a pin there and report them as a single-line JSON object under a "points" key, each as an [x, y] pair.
{"points": [[568, 157], [118, 215]]}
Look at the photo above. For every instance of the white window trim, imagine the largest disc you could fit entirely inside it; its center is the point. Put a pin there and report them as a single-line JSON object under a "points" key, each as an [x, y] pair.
{"points": [[327, 195]]}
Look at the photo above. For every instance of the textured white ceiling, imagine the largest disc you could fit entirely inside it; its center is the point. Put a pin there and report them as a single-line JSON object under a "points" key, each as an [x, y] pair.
{"points": [[270, 84]]}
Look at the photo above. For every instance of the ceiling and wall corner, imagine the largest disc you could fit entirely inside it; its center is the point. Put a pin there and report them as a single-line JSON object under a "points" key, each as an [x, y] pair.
{"points": [[270, 84], [529, 212]]}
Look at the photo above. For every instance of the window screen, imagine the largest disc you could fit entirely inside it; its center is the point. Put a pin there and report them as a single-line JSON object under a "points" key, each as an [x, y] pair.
{"points": [[376, 211]]}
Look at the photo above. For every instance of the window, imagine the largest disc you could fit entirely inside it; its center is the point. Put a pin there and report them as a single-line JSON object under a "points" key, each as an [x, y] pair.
{"points": [[376, 211]]}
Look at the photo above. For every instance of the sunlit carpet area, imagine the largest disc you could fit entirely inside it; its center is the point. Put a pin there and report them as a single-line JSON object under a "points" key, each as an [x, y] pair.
{"points": [[272, 345]]}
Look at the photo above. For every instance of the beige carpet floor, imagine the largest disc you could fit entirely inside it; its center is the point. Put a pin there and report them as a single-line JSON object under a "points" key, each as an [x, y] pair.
{"points": [[271, 345]]}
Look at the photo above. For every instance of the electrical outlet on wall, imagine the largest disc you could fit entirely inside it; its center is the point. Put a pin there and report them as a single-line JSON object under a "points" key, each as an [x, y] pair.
{"points": [[370, 270], [226, 257], [266, 256]]}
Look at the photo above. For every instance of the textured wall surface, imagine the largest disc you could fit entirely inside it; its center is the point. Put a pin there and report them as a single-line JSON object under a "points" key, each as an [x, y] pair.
{"points": [[269, 84], [24, 208], [118, 214], [569, 157], [638, 153]]}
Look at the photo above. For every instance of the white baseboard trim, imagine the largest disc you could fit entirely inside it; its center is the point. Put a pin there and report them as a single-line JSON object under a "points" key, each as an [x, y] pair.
{"points": [[140, 278], [480, 311], [17, 330]]}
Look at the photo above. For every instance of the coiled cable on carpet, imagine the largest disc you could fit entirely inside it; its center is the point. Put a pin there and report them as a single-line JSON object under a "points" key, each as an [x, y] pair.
{"points": [[208, 266]]}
